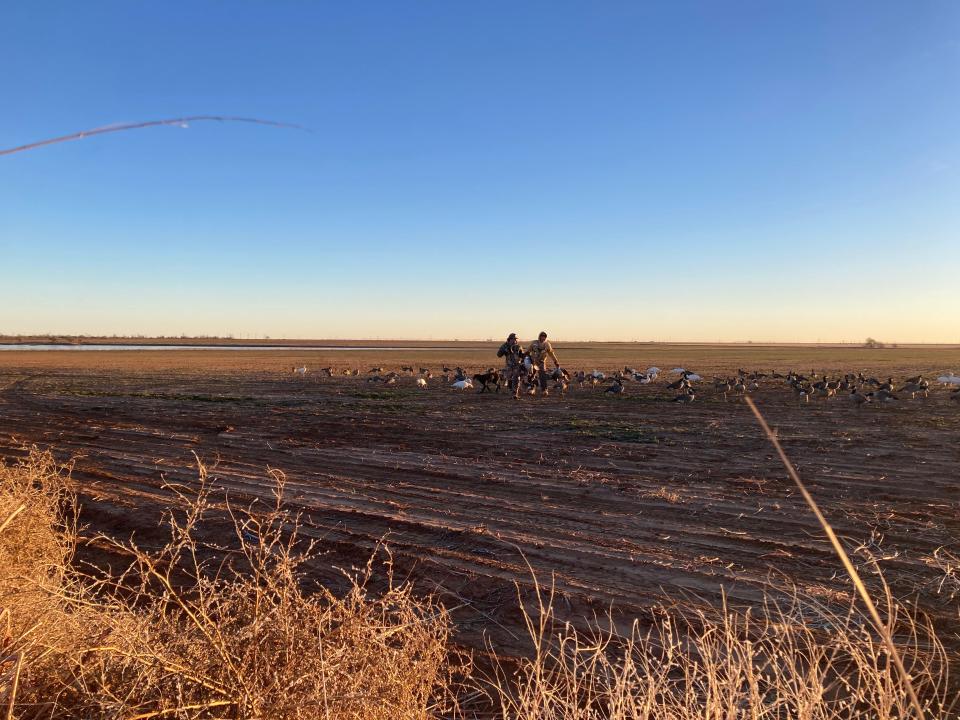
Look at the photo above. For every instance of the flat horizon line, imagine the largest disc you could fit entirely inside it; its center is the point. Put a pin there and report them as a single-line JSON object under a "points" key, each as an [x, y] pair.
{"points": [[187, 340]]}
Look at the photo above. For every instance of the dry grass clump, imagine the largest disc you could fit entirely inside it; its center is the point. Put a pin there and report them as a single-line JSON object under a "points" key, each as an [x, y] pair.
{"points": [[195, 630], [37, 535], [791, 660]]}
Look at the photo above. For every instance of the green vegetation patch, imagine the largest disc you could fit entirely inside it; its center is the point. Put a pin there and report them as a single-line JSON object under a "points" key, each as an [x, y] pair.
{"points": [[618, 431], [147, 395], [378, 394]]}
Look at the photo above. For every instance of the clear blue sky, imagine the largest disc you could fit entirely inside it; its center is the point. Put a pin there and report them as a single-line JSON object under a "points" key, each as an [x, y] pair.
{"points": [[672, 171]]}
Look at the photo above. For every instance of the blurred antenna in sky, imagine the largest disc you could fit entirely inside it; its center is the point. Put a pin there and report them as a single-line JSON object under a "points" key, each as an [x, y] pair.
{"points": [[182, 122]]}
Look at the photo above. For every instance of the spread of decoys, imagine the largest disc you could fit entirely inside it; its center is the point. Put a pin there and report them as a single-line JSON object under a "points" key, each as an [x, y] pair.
{"points": [[858, 388]]}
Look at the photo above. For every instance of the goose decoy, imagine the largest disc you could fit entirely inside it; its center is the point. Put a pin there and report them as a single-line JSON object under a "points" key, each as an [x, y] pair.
{"points": [[421, 382], [724, 387], [883, 396], [462, 385], [858, 398], [825, 390], [914, 388], [802, 391], [617, 387]]}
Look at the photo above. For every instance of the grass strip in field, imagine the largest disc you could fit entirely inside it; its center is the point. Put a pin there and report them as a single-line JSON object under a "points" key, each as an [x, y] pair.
{"points": [[618, 431]]}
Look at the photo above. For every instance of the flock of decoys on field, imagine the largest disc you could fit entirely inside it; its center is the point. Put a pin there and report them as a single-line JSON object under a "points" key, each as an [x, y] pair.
{"points": [[686, 385]]}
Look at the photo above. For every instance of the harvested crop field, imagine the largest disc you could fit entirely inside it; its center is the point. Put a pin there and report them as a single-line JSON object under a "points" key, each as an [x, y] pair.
{"points": [[624, 501]]}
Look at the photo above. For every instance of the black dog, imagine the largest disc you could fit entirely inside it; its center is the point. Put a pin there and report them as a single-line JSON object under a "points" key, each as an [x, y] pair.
{"points": [[489, 378]]}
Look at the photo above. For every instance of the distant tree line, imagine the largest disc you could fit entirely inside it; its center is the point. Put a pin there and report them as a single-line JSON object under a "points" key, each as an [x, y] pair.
{"points": [[876, 344]]}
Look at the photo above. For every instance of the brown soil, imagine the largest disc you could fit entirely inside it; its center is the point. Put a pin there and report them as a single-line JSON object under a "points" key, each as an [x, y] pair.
{"points": [[622, 501]]}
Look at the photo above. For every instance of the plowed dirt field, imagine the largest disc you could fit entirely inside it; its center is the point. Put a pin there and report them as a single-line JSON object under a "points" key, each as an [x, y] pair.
{"points": [[623, 501]]}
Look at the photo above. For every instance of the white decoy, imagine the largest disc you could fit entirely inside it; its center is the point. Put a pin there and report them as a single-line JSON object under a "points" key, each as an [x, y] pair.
{"points": [[653, 370], [693, 377], [678, 371], [301, 370], [949, 379], [421, 382], [462, 385]]}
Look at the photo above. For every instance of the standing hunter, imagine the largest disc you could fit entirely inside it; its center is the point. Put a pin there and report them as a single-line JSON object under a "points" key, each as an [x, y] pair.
{"points": [[511, 352], [539, 350]]}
